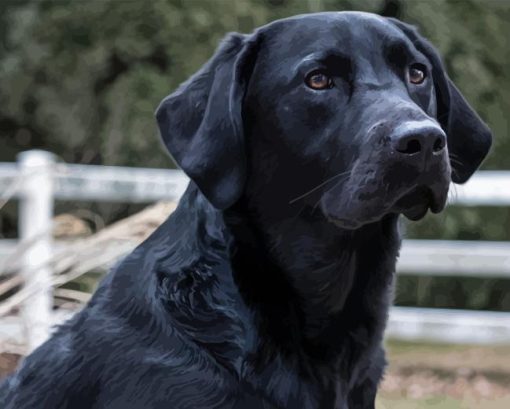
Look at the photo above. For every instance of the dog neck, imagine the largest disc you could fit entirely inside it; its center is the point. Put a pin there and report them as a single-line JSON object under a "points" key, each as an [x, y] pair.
{"points": [[306, 283], [305, 273]]}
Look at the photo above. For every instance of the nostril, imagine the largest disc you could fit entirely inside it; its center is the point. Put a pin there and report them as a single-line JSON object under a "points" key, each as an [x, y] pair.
{"points": [[438, 145], [410, 147], [417, 138]]}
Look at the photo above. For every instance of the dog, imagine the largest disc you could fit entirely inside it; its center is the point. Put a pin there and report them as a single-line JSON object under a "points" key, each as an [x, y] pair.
{"points": [[269, 286]]}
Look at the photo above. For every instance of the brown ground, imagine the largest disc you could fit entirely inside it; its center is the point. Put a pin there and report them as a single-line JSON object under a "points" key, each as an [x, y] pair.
{"points": [[421, 370]]}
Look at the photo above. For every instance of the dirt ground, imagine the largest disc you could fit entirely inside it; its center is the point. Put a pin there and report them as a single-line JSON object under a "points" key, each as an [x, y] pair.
{"points": [[429, 376], [446, 377]]}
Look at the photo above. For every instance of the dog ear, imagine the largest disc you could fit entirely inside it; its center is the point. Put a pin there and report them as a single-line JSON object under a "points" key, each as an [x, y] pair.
{"points": [[469, 138], [201, 122]]}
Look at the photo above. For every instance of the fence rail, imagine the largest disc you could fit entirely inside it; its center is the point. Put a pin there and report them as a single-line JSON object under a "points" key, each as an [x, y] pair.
{"points": [[490, 259], [418, 257], [139, 185], [103, 183]]}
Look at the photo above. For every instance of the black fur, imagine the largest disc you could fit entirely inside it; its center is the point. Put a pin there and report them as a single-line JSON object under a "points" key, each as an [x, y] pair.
{"points": [[269, 286]]}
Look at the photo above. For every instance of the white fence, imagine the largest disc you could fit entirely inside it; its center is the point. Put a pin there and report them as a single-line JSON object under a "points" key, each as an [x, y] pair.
{"points": [[37, 180]]}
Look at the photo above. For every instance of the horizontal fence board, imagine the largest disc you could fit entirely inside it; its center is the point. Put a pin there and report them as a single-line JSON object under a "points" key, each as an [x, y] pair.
{"points": [[449, 326], [110, 183], [485, 188], [120, 184], [482, 259], [406, 324], [8, 248]]}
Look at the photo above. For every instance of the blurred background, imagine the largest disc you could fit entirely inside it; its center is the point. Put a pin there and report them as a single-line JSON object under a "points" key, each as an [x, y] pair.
{"points": [[82, 79]]}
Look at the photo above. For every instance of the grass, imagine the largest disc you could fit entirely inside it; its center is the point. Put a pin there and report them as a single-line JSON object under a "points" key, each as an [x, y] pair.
{"points": [[442, 402], [446, 377]]}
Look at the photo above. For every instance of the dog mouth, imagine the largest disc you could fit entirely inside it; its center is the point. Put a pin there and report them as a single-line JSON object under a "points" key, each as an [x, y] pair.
{"points": [[415, 204]]}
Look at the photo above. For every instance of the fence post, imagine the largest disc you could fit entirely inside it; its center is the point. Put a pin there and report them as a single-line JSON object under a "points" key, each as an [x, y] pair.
{"points": [[35, 228]]}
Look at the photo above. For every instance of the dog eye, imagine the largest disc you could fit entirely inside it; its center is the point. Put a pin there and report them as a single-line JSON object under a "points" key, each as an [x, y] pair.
{"points": [[417, 73], [318, 80]]}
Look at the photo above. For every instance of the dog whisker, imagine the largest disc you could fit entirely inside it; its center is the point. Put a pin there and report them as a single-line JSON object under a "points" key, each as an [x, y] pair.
{"points": [[319, 186], [452, 197], [456, 163], [326, 191]]}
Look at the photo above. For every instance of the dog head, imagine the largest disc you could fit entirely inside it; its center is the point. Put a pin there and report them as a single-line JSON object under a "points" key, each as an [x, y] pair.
{"points": [[348, 112]]}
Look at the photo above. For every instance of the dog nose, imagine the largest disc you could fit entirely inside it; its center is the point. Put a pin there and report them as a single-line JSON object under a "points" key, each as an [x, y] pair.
{"points": [[419, 139]]}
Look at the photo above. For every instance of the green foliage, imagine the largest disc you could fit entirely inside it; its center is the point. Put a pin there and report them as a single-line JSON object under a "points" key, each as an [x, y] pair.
{"points": [[82, 78]]}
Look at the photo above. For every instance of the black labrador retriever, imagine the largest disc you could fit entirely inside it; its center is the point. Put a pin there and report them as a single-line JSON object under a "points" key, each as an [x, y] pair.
{"points": [[269, 286]]}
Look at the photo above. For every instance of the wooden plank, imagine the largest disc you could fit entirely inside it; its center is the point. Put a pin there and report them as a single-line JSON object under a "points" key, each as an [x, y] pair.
{"points": [[455, 258], [449, 326], [406, 324], [485, 188], [483, 259], [119, 184]]}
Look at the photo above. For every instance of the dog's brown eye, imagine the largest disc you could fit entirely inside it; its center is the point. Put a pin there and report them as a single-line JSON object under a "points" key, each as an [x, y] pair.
{"points": [[318, 80], [417, 74]]}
